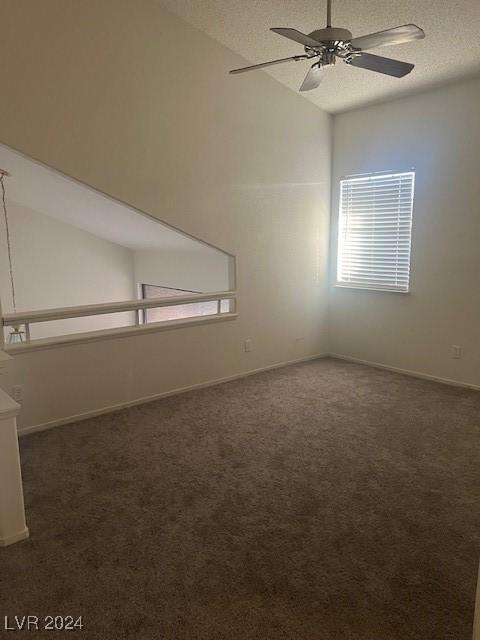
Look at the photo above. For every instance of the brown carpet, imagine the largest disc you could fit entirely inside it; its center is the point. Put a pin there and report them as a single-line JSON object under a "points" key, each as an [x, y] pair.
{"points": [[321, 501]]}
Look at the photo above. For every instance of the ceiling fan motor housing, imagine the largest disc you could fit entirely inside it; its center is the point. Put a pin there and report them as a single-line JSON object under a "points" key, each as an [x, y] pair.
{"points": [[331, 35]]}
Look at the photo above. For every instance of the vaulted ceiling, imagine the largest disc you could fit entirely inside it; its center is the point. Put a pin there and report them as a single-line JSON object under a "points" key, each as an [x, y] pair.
{"points": [[451, 49], [46, 191]]}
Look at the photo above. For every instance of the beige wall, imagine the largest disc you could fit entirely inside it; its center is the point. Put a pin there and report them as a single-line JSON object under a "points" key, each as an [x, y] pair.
{"points": [[113, 96], [438, 134], [203, 269], [58, 265]]}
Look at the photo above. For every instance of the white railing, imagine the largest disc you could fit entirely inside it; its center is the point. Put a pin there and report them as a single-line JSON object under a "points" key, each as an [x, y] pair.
{"points": [[23, 319]]}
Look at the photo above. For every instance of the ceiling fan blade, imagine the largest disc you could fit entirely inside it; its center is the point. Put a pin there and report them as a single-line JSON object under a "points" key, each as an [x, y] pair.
{"points": [[313, 78], [388, 66], [397, 35], [267, 64], [297, 36]]}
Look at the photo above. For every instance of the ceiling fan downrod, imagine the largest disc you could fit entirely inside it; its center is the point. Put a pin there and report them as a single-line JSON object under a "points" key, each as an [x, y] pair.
{"points": [[328, 37]]}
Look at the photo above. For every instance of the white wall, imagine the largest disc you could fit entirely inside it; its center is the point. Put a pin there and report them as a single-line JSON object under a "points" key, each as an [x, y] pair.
{"points": [[58, 265], [437, 133], [241, 162], [203, 269]]}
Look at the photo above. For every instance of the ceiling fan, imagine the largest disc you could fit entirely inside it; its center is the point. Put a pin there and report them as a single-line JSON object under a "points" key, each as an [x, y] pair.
{"points": [[326, 45]]}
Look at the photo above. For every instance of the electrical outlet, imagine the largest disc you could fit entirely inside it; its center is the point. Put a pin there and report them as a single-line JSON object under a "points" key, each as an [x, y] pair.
{"points": [[17, 393], [299, 339], [457, 351], [247, 345]]}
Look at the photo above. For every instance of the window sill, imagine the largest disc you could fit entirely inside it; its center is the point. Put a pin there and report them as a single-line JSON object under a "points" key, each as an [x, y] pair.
{"points": [[357, 288], [120, 332]]}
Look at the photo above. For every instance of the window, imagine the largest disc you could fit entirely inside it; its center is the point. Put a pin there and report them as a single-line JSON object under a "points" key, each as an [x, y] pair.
{"points": [[375, 228], [181, 310]]}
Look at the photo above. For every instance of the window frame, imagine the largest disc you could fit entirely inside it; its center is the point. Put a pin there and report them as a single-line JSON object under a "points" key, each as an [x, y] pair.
{"points": [[343, 284], [143, 315], [144, 285]]}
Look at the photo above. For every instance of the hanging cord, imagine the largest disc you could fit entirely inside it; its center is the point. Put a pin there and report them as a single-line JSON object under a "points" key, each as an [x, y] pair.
{"points": [[9, 246]]}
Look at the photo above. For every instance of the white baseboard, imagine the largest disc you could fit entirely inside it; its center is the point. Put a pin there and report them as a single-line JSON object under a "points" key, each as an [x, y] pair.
{"points": [[23, 431], [16, 537], [476, 619], [407, 372]]}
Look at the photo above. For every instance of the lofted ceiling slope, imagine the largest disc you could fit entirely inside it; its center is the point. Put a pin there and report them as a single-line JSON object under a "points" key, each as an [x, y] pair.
{"points": [[47, 191]]}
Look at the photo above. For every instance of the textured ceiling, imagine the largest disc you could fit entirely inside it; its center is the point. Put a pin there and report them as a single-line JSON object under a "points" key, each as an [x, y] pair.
{"points": [[450, 50]]}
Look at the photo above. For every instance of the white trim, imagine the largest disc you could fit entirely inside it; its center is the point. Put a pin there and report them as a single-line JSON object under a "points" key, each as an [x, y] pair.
{"points": [[158, 396], [407, 372], [119, 332], [388, 172], [16, 537], [8, 407], [476, 619], [341, 285], [62, 313], [210, 383]]}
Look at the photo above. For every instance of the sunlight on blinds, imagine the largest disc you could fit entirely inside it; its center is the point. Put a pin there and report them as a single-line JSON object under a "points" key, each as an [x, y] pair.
{"points": [[375, 228]]}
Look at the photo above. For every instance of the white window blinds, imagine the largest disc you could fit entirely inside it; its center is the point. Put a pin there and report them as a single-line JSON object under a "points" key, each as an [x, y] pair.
{"points": [[375, 226]]}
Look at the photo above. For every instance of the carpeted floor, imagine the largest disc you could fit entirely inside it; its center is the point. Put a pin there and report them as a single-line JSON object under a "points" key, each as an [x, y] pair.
{"points": [[321, 501]]}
